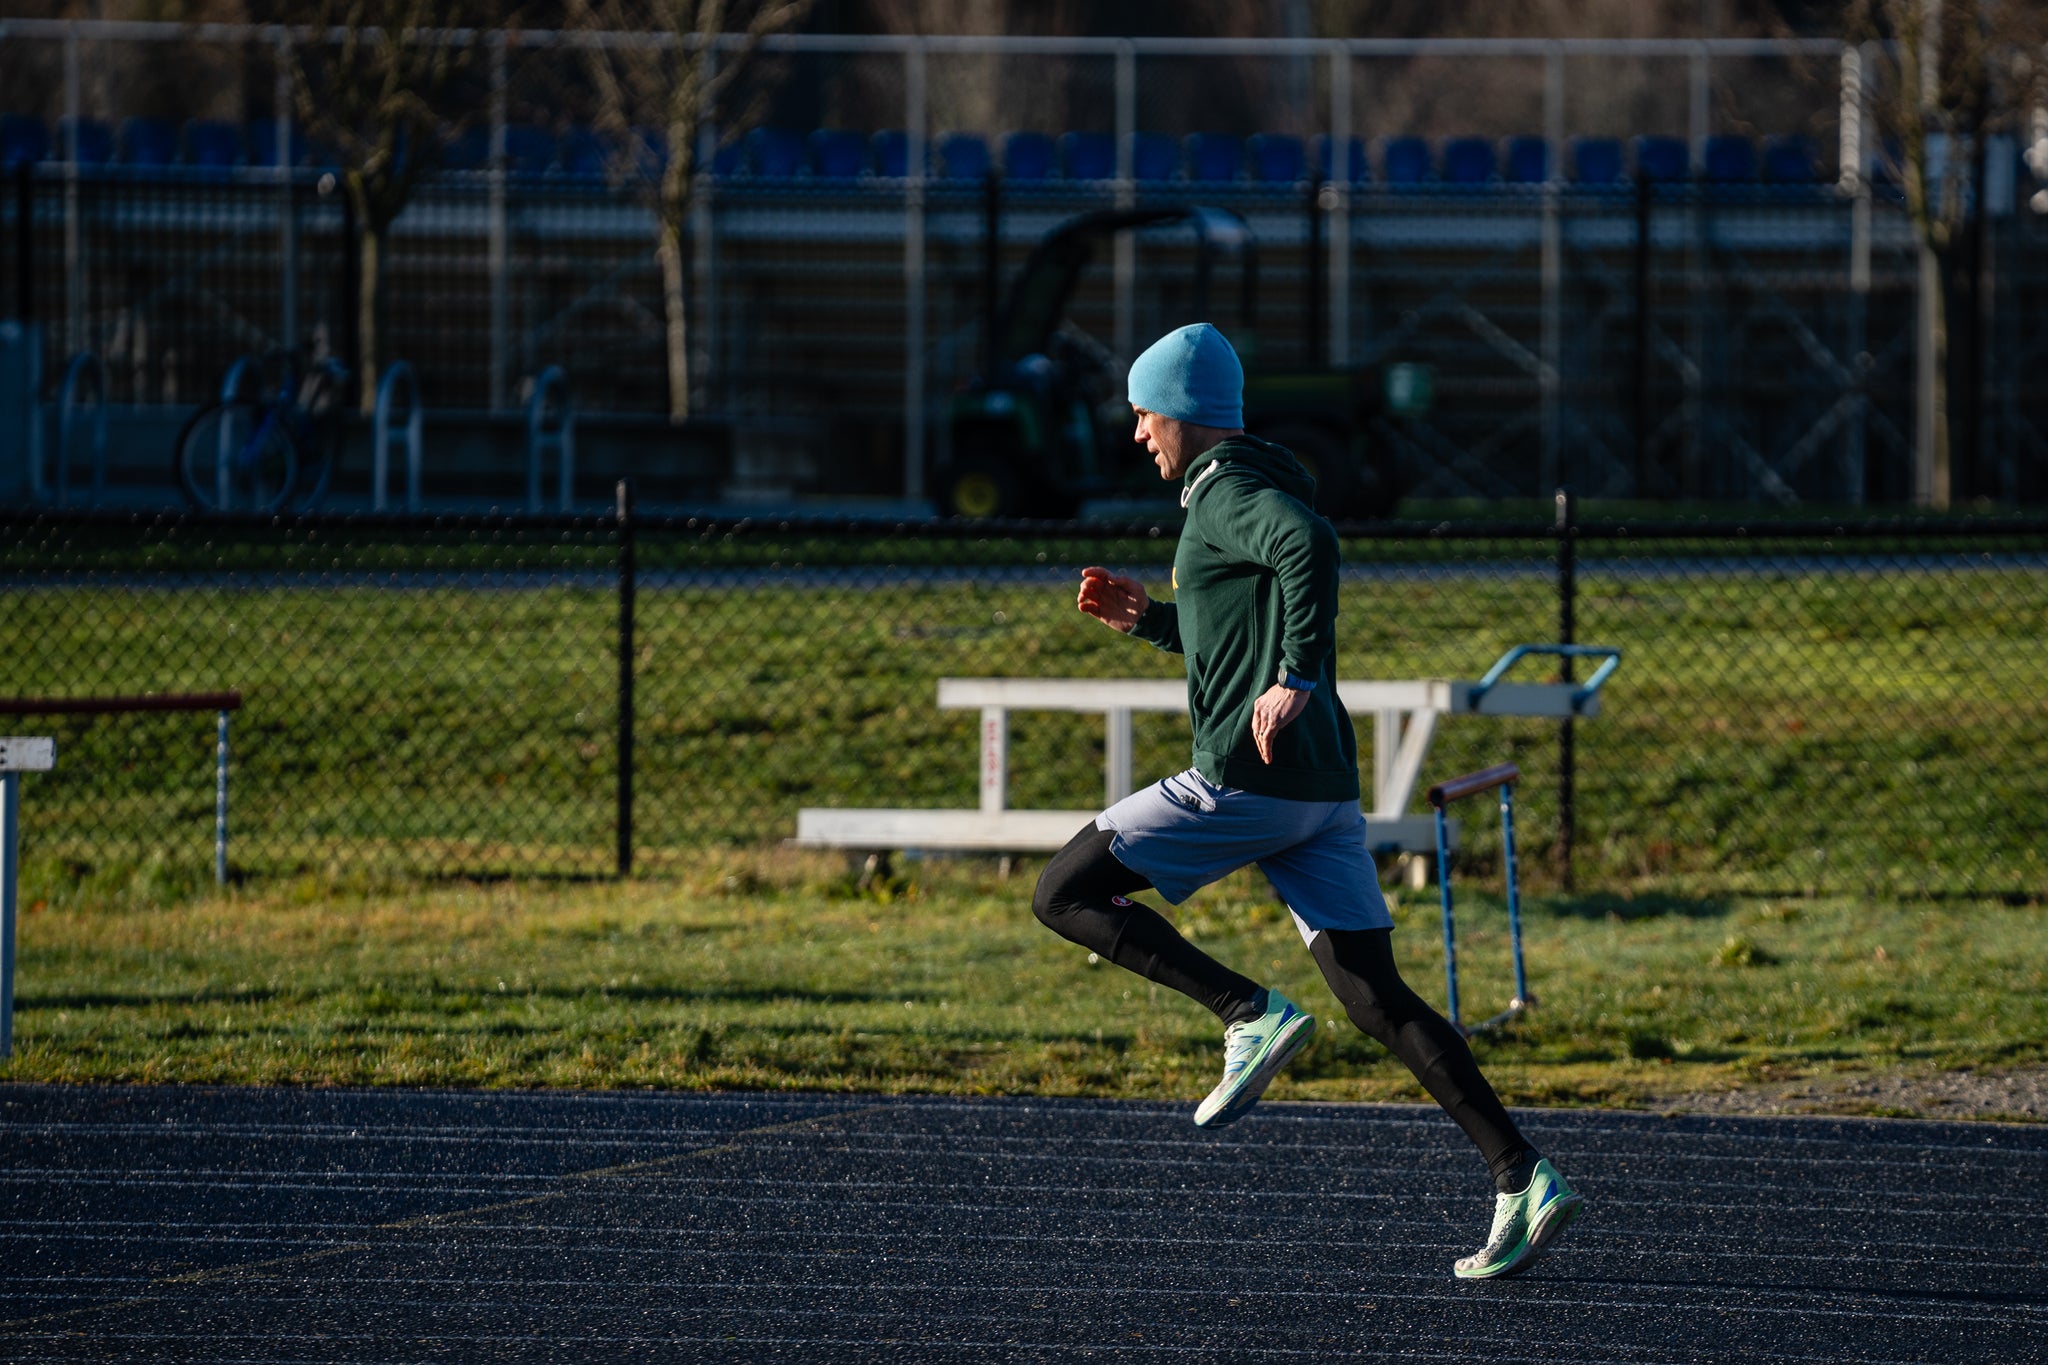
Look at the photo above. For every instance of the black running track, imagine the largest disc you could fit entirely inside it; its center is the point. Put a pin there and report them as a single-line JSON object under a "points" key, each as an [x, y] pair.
{"points": [[282, 1225]]}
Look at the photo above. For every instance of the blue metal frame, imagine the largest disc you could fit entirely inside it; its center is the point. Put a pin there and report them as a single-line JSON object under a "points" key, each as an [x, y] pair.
{"points": [[1512, 868], [1520, 652]]}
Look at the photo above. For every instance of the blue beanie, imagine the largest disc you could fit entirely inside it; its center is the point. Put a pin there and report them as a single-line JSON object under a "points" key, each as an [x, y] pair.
{"points": [[1190, 374]]}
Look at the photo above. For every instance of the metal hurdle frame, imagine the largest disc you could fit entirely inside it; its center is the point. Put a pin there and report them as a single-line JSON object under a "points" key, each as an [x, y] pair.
{"points": [[220, 702], [1503, 777], [17, 756]]}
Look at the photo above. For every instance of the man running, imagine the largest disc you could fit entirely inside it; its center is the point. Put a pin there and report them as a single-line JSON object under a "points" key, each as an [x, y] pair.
{"points": [[1274, 782]]}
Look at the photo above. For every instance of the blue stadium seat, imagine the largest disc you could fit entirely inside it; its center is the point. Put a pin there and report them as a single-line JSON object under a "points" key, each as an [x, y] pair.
{"points": [[1791, 160], [1468, 161], [528, 150], [1214, 158], [729, 159], [838, 153], [469, 150], [891, 148], [1355, 171], [584, 154], [1730, 159], [23, 137], [963, 156], [1154, 156], [650, 150], [1596, 160], [1088, 156], [1527, 160], [774, 153], [213, 144], [1278, 159], [149, 142], [1029, 156], [95, 141], [1662, 159], [262, 143], [1404, 160]]}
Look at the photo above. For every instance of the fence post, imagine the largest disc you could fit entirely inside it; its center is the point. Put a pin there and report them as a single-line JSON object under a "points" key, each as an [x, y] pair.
{"points": [[915, 114], [626, 591], [25, 242], [1567, 592], [220, 801]]}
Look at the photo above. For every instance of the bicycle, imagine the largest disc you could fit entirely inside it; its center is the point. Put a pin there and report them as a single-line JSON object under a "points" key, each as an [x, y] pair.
{"points": [[265, 454]]}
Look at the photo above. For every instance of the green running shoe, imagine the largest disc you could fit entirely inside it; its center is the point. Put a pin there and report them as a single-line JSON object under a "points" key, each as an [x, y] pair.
{"points": [[1253, 1053], [1523, 1226]]}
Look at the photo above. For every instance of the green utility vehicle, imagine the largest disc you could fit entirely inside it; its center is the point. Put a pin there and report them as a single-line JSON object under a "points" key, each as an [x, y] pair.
{"points": [[1046, 426]]}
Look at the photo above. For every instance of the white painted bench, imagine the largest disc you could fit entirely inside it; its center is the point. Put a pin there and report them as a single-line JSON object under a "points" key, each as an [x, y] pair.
{"points": [[1405, 716]]}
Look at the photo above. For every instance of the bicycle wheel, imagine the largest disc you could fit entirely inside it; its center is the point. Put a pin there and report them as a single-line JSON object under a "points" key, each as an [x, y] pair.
{"points": [[237, 456]]}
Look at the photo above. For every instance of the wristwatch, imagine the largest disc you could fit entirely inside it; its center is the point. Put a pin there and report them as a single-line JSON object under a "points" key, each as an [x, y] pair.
{"points": [[1298, 684]]}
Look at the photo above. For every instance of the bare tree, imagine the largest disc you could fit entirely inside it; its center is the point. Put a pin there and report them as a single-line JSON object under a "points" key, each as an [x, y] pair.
{"points": [[1950, 74], [376, 83], [676, 85]]}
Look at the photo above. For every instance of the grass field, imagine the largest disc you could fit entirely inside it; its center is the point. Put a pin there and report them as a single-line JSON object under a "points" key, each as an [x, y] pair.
{"points": [[778, 971], [1779, 729]]}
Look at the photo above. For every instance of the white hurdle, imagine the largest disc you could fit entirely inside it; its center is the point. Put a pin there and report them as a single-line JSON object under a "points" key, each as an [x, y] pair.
{"points": [[17, 756]]}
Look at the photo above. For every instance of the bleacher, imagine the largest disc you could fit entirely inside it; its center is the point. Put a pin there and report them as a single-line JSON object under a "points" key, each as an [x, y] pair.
{"points": [[207, 147]]}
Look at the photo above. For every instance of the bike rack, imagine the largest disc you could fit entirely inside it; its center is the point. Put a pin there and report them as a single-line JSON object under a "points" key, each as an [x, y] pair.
{"points": [[552, 382], [85, 368], [239, 375], [401, 391]]}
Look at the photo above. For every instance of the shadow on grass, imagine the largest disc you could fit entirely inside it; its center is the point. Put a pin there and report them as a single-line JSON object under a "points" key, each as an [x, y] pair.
{"points": [[114, 1000], [1602, 905]]}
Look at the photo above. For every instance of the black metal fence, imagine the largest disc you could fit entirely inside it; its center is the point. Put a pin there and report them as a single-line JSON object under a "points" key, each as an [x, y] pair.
{"points": [[1801, 708]]}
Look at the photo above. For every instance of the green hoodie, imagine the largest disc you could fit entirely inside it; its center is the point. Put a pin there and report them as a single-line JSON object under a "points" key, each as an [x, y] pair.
{"points": [[1255, 598]]}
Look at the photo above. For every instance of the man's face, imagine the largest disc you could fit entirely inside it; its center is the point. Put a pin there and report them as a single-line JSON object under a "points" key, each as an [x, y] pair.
{"points": [[1166, 438]]}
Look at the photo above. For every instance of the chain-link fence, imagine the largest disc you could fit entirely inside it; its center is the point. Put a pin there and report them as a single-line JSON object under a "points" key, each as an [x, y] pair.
{"points": [[1644, 269], [1801, 708]]}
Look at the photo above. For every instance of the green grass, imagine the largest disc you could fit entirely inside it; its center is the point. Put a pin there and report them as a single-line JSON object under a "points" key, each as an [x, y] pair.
{"points": [[777, 971]]}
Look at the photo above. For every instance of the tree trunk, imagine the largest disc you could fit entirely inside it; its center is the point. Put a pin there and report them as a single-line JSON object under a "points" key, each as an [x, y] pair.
{"points": [[369, 248], [674, 297], [1934, 299]]}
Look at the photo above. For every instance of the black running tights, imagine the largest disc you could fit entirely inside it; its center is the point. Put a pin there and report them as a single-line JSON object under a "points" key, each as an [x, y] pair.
{"points": [[1084, 896]]}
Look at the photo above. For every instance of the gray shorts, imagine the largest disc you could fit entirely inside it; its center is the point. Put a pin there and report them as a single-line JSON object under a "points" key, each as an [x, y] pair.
{"points": [[1184, 831]]}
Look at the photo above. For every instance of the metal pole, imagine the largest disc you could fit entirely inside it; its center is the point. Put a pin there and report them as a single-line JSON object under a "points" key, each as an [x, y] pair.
{"points": [[1340, 206], [1126, 249], [1551, 459], [220, 803], [627, 587], [1854, 181], [991, 270], [25, 242], [500, 246], [10, 872], [913, 272], [74, 245], [1507, 844], [1443, 881], [1567, 602], [287, 208], [1315, 337], [1642, 336]]}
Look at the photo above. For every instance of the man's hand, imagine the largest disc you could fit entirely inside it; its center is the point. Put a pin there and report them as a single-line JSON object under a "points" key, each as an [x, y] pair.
{"points": [[1117, 600], [1272, 713]]}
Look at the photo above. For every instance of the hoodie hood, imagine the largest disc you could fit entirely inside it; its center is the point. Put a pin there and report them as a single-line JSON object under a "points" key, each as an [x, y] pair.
{"points": [[1263, 460]]}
